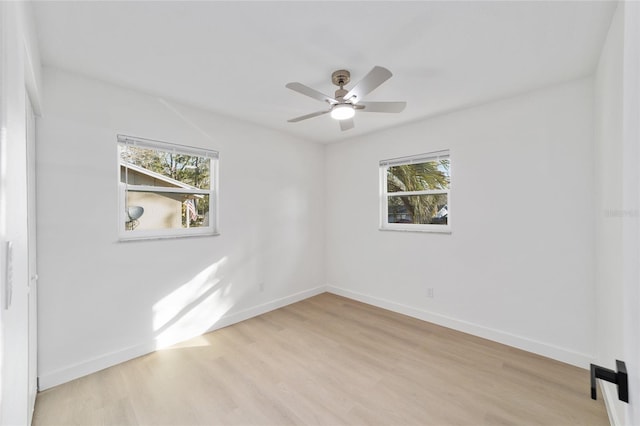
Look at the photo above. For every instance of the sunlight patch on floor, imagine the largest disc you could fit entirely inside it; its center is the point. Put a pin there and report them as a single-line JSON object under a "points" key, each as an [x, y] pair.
{"points": [[193, 308], [196, 342]]}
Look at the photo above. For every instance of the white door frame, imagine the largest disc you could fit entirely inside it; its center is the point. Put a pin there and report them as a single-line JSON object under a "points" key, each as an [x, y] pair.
{"points": [[631, 196], [32, 291]]}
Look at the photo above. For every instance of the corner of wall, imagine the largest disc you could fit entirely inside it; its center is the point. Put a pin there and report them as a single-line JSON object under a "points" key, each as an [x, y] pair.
{"points": [[33, 64]]}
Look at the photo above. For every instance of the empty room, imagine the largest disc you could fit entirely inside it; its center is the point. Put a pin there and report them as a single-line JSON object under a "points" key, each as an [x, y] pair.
{"points": [[319, 212]]}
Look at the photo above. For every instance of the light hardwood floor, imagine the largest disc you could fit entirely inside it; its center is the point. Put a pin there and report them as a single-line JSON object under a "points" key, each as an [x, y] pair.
{"points": [[329, 361]]}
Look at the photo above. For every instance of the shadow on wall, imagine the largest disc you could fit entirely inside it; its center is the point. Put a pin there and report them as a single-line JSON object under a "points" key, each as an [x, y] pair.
{"points": [[193, 308]]}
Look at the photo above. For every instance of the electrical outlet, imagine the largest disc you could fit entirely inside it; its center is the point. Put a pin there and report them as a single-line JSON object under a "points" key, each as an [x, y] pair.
{"points": [[430, 292]]}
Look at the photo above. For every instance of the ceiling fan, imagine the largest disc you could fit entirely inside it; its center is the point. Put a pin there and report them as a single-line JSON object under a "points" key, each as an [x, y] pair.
{"points": [[344, 105]]}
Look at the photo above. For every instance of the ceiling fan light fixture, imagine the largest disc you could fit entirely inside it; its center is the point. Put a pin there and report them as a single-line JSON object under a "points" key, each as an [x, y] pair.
{"points": [[342, 112], [343, 105]]}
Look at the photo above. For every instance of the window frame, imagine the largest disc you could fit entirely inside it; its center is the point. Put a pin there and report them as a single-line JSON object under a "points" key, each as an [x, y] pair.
{"points": [[124, 187], [384, 166]]}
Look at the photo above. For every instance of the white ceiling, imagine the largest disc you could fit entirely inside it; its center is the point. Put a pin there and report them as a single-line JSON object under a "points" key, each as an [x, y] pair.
{"points": [[236, 57]]}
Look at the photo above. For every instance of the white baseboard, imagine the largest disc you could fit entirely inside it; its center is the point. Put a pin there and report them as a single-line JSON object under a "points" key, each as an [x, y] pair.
{"points": [[561, 354], [245, 314], [66, 374]]}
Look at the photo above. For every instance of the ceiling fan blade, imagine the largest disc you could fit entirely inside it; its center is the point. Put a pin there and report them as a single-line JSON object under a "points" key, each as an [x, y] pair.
{"points": [[383, 106], [347, 124], [375, 78], [308, 91], [304, 117]]}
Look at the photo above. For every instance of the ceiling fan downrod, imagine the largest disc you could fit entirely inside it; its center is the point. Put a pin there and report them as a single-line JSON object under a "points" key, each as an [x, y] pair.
{"points": [[341, 78]]}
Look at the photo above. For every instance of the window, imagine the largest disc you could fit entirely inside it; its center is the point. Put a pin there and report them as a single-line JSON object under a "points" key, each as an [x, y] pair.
{"points": [[166, 190], [415, 193]]}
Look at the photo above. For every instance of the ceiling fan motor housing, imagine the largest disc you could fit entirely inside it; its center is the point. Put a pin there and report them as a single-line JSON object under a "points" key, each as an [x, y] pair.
{"points": [[341, 78]]}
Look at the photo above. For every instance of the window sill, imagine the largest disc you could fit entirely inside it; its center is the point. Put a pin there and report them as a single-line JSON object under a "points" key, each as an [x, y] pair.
{"points": [[147, 237], [447, 230]]}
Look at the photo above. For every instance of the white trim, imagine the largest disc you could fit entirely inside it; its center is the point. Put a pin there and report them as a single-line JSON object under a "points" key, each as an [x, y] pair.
{"points": [[71, 372], [384, 224], [167, 189], [157, 234], [631, 203], [166, 146], [410, 227], [68, 373], [412, 193], [416, 159], [180, 188], [551, 351], [609, 394]]}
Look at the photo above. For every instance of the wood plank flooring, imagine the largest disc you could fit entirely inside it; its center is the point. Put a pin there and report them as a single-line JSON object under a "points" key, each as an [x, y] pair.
{"points": [[329, 360]]}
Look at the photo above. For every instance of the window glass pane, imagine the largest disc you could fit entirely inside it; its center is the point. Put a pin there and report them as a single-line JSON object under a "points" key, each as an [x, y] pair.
{"points": [[153, 167], [418, 209], [147, 210], [419, 177]]}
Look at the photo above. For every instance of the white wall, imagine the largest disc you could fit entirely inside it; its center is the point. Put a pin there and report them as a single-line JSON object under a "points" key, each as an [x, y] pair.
{"points": [[519, 265], [617, 133], [631, 205], [608, 169], [19, 70], [104, 301]]}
